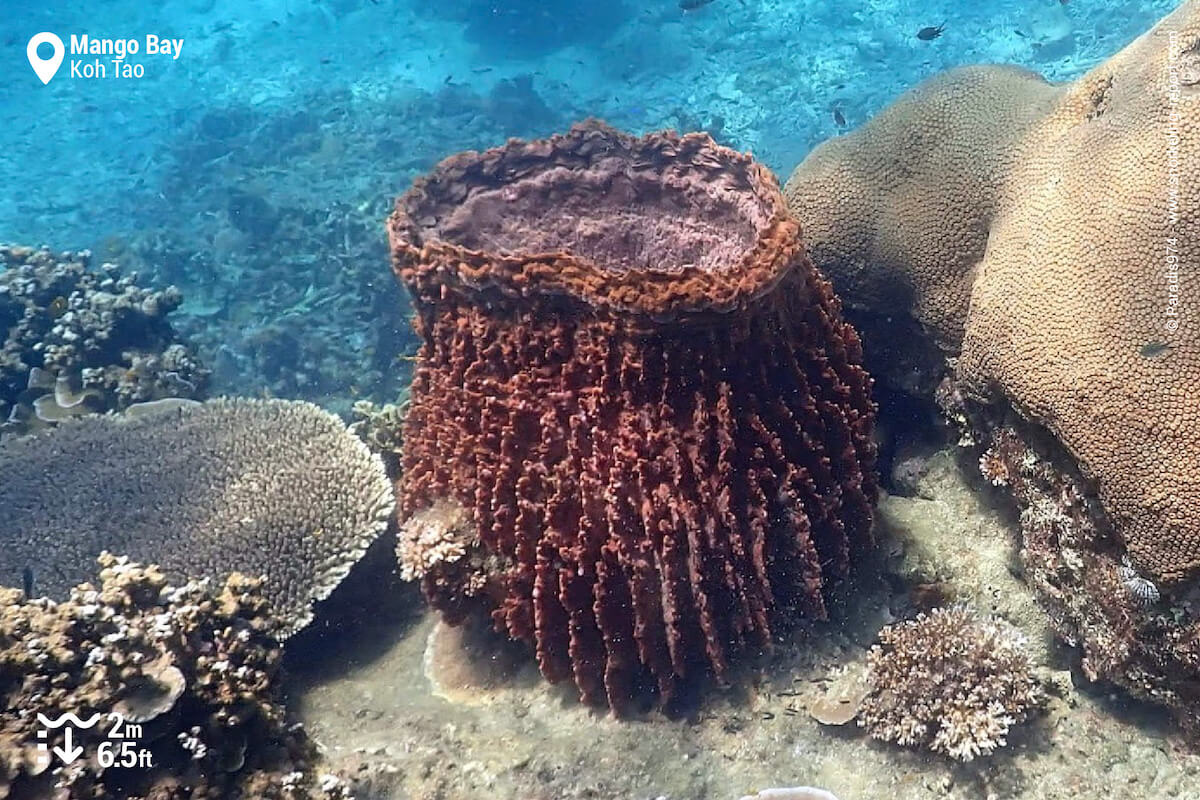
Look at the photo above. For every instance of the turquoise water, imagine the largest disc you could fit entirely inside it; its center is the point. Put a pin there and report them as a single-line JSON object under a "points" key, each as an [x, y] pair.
{"points": [[271, 147], [398, 85]]}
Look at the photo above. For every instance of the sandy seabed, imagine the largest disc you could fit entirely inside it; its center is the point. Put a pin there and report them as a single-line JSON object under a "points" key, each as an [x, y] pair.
{"points": [[419, 713]]}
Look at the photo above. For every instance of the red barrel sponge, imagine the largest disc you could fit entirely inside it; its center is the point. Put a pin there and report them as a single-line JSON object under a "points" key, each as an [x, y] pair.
{"points": [[640, 394]]}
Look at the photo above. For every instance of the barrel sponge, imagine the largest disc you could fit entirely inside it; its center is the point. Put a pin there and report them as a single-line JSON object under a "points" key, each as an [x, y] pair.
{"points": [[644, 396], [273, 488], [1061, 278]]}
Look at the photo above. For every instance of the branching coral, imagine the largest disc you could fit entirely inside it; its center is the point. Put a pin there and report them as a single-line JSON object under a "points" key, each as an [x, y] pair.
{"points": [[75, 339], [381, 428], [642, 392], [436, 539], [273, 488], [949, 681], [198, 669]]}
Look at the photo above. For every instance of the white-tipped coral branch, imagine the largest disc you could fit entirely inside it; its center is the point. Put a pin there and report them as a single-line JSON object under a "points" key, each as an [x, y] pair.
{"points": [[949, 681]]}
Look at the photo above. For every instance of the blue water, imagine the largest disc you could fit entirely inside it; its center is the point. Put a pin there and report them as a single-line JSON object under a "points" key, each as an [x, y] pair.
{"points": [[269, 150]]}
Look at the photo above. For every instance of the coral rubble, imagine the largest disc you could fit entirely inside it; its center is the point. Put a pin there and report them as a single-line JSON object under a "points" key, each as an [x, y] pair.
{"points": [[197, 669], [1038, 233], [77, 340], [642, 393], [273, 488], [949, 681]]}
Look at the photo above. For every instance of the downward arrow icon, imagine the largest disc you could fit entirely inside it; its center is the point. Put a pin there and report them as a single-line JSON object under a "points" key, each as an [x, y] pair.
{"points": [[67, 753]]}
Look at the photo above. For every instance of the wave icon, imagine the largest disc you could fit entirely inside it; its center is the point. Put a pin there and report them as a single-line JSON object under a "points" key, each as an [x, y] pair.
{"points": [[68, 717]]}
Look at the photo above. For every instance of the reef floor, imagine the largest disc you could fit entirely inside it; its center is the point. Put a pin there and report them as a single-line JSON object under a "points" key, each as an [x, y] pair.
{"points": [[487, 726]]}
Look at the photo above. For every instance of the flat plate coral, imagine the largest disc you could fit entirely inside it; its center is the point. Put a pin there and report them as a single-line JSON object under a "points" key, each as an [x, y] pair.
{"points": [[273, 488]]}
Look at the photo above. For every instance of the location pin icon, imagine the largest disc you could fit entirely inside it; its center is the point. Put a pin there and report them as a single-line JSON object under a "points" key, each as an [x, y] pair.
{"points": [[45, 67]]}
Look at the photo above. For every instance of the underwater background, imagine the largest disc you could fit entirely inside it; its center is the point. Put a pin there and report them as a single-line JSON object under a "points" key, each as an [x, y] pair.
{"points": [[234, 199], [254, 171]]}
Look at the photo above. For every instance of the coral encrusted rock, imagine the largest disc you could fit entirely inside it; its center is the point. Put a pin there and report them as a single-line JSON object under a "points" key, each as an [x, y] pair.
{"points": [[76, 339], [643, 395], [1039, 233], [196, 667], [274, 488], [1045, 237], [949, 681]]}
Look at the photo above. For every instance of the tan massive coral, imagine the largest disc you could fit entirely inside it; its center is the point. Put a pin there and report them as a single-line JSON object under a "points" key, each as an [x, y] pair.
{"points": [[1049, 237], [900, 209]]}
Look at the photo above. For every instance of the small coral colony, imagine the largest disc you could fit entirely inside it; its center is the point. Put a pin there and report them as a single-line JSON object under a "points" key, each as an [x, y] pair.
{"points": [[641, 435]]}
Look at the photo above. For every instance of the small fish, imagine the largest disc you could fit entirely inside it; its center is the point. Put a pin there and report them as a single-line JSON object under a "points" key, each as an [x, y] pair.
{"points": [[481, 70], [930, 33], [326, 60], [692, 5], [27, 581], [57, 307], [1019, 33], [1152, 349], [839, 118]]}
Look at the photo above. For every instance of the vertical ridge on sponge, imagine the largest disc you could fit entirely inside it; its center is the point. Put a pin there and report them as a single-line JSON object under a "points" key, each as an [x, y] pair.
{"points": [[662, 458]]}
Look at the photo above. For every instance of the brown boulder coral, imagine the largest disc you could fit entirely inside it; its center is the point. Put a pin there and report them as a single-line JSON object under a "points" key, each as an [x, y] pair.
{"points": [[641, 393], [274, 488], [900, 209], [1031, 227], [1041, 234]]}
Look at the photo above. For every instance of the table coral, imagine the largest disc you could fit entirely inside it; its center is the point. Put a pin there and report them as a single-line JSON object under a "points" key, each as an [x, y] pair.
{"points": [[198, 667], [79, 339], [275, 488], [643, 395], [1041, 235], [949, 681]]}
